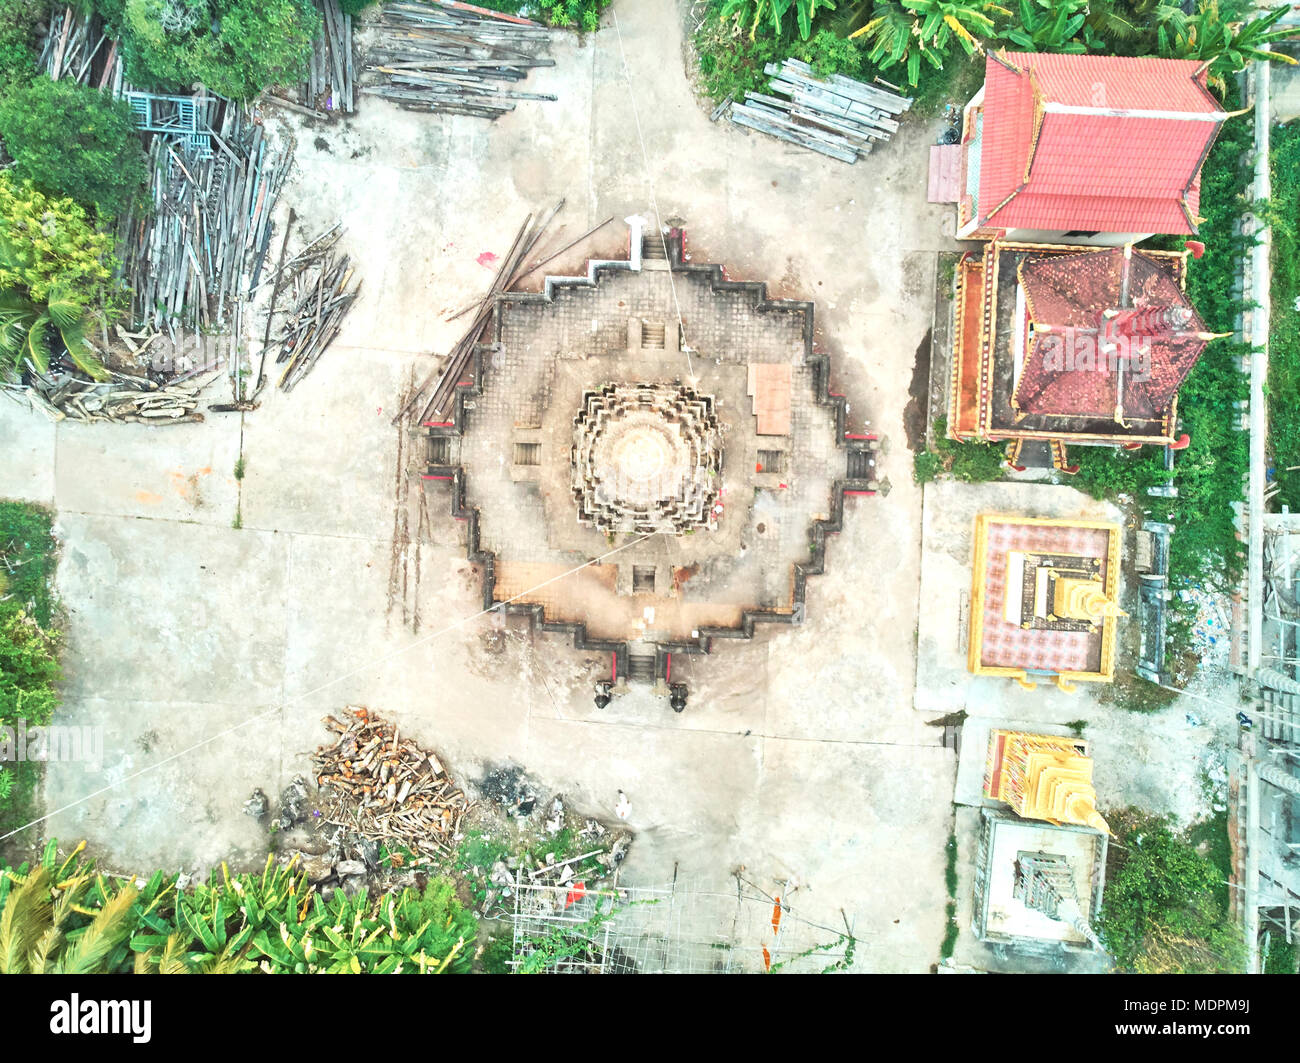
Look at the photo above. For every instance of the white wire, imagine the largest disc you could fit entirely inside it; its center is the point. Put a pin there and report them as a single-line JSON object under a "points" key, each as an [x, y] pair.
{"points": [[369, 665]]}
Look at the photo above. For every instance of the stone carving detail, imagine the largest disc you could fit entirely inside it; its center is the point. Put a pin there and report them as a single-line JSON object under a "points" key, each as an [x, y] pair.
{"points": [[646, 458]]}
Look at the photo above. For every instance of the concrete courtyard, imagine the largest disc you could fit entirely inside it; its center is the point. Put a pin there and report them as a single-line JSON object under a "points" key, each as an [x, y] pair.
{"points": [[208, 652]]}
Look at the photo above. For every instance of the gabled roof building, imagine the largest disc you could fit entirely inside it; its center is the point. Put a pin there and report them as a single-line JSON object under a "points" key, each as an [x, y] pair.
{"points": [[1084, 148]]}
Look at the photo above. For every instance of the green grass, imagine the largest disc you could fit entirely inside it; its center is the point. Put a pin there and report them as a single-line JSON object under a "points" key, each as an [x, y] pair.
{"points": [[950, 931], [28, 657], [28, 548], [969, 463], [1284, 333]]}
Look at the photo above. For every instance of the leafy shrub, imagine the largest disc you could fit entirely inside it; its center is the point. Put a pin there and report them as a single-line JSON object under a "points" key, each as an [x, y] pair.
{"points": [[18, 22], [257, 44], [355, 7], [1284, 338], [48, 244], [731, 63], [1105, 472], [1162, 911], [951, 931], [828, 53], [926, 466], [970, 463], [73, 140], [29, 644], [29, 668]]}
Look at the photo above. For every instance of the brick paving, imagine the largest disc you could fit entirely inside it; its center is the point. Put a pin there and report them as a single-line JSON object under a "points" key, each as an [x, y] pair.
{"points": [[550, 353]]}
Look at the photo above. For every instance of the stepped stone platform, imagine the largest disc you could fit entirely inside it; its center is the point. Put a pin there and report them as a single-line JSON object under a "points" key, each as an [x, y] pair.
{"points": [[600, 431]]}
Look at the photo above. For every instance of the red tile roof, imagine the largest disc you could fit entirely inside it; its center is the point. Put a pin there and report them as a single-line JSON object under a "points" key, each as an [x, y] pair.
{"points": [[1094, 142], [1069, 293]]}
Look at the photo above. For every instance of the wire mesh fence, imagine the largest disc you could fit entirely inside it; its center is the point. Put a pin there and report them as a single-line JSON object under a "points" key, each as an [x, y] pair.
{"points": [[672, 929]]}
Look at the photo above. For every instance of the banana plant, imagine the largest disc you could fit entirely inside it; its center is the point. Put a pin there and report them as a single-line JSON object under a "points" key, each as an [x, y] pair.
{"points": [[756, 12], [1229, 46], [1051, 26], [912, 31], [966, 21], [26, 329]]}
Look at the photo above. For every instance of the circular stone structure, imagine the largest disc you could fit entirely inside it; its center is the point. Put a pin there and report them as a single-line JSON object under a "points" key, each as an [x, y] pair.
{"points": [[646, 458]]}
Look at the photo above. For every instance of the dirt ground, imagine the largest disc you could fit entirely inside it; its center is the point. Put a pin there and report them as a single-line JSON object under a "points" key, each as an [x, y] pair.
{"points": [[208, 653]]}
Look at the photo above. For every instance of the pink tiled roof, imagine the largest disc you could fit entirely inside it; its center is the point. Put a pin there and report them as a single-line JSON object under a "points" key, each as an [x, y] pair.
{"points": [[1108, 164]]}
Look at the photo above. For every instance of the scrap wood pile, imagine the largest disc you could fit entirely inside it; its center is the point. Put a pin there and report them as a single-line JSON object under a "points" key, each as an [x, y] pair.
{"points": [[75, 48], [430, 57], [201, 245], [123, 399], [382, 787], [331, 84], [318, 281], [835, 116], [434, 397]]}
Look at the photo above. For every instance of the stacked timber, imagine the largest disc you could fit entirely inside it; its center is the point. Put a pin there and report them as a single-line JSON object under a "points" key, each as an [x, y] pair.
{"points": [[383, 788], [434, 397], [330, 84], [76, 48], [323, 298], [452, 60], [836, 116], [200, 246], [120, 399]]}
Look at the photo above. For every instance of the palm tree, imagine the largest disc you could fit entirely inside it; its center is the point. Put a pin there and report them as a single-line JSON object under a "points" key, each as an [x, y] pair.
{"points": [[26, 330], [35, 932]]}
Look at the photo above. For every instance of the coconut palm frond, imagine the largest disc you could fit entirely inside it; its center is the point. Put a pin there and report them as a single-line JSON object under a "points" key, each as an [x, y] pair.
{"points": [[42, 957], [24, 919], [106, 931], [36, 345], [65, 311], [174, 958]]}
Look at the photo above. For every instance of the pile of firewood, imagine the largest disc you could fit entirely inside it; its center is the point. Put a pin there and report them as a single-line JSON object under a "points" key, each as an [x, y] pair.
{"points": [[383, 787]]}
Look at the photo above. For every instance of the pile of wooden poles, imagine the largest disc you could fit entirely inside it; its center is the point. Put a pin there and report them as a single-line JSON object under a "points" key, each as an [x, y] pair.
{"points": [[434, 396], [384, 788], [835, 116], [190, 257], [322, 298], [430, 57], [75, 48], [122, 399], [330, 84]]}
